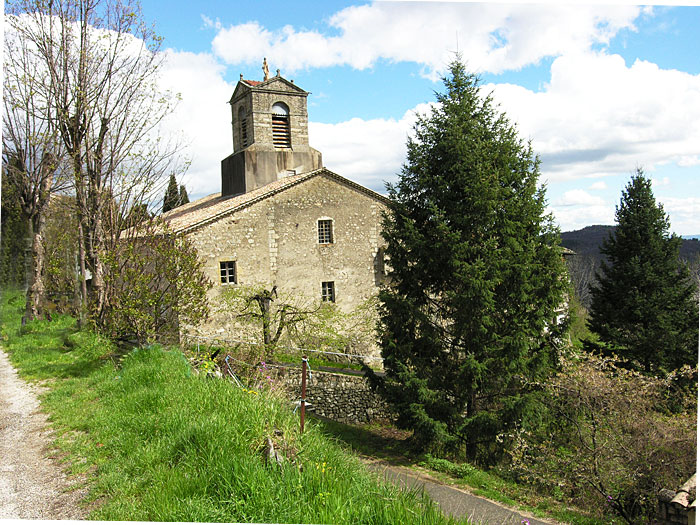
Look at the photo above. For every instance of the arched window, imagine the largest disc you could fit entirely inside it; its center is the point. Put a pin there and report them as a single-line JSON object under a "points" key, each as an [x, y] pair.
{"points": [[243, 122], [281, 136]]}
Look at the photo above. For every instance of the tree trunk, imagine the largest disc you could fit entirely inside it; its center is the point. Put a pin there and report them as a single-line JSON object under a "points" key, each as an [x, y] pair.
{"points": [[36, 290], [267, 328], [96, 199], [35, 209], [83, 272], [30, 313], [470, 444], [80, 207]]}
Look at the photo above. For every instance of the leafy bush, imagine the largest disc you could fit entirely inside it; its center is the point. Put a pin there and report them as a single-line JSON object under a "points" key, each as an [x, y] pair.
{"points": [[615, 438], [156, 284], [281, 319]]}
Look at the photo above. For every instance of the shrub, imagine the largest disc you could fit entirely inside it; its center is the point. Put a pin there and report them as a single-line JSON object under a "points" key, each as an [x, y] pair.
{"points": [[156, 284], [615, 437]]}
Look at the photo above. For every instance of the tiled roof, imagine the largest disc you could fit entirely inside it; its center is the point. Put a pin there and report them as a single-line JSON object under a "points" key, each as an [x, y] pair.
{"points": [[253, 82], [194, 214]]}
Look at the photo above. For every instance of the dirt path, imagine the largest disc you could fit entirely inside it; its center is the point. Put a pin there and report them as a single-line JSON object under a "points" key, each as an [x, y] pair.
{"points": [[31, 485]]}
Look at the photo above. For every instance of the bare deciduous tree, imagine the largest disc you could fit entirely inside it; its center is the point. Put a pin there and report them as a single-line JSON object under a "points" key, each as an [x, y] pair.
{"points": [[100, 65], [582, 271], [32, 153]]}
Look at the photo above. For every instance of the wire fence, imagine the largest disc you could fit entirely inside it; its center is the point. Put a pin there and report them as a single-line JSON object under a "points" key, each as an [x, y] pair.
{"points": [[245, 364]]}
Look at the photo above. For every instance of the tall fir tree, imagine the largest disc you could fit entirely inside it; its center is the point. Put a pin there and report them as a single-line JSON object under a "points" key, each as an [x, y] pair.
{"points": [[172, 196], [475, 277], [183, 199], [644, 306]]}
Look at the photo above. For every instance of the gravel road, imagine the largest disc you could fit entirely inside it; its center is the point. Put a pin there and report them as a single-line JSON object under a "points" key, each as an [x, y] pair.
{"points": [[32, 486]]}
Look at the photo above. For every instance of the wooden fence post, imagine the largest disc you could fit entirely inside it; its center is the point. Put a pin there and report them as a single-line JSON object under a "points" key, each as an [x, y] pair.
{"points": [[304, 361]]}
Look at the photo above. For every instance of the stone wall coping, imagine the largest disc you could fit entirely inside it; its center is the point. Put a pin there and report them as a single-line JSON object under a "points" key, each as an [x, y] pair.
{"points": [[685, 497]]}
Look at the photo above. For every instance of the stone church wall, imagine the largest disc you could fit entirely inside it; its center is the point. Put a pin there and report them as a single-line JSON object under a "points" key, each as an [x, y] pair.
{"points": [[275, 242]]}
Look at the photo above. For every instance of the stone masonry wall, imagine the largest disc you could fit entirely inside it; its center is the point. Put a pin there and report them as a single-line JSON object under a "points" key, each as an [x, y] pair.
{"points": [[257, 106], [275, 242], [340, 397]]}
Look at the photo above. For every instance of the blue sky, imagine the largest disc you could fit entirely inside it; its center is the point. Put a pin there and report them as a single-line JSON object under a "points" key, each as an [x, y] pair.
{"points": [[598, 89]]}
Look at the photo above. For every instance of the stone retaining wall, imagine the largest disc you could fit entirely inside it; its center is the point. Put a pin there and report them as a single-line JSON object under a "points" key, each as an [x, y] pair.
{"points": [[677, 507], [340, 397]]}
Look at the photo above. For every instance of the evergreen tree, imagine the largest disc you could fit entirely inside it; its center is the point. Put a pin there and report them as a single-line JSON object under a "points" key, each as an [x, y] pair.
{"points": [[172, 196], [644, 306], [475, 277], [184, 199]]}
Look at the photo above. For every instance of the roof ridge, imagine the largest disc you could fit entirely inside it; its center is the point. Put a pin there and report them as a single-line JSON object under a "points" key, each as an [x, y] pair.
{"points": [[231, 204]]}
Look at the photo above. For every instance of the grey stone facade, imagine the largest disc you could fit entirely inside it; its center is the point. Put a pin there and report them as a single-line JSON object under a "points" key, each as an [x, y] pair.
{"points": [[274, 242], [257, 160], [677, 507], [264, 225]]}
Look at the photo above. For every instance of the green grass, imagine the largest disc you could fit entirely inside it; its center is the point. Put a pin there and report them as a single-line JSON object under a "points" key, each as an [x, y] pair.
{"points": [[314, 361], [492, 486], [159, 443], [387, 443]]}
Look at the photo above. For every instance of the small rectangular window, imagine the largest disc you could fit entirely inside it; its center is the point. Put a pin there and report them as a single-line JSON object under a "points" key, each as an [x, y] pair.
{"points": [[228, 272], [325, 231], [328, 291]]}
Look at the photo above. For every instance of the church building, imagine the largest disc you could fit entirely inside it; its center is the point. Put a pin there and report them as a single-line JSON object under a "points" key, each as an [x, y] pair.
{"points": [[281, 218]]}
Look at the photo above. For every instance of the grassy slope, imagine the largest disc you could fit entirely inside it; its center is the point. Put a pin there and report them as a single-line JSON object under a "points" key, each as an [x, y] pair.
{"points": [[388, 444], [162, 444]]}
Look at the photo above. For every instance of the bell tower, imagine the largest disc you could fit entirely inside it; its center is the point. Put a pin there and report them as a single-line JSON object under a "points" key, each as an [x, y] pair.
{"points": [[270, 135]]}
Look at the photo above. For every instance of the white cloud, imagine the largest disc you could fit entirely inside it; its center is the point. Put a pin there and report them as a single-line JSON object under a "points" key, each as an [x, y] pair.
{"points": [[493, 37], [577, 217], [683, 213], [599, 117], [578, 198], [600, 185], [689, 160], [575, 209], [209, 23], [661, 182], [203, 115], [369, 152]]}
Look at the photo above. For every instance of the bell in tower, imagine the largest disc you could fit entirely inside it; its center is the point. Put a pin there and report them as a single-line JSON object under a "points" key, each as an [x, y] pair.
{"points": [[270, 135]]}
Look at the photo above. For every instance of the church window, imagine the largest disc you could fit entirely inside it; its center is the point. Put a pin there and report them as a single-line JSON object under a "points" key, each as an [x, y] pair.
{"points": [[281, 135], [328, 291], [228, 272], [325, 231], [244, 127]]}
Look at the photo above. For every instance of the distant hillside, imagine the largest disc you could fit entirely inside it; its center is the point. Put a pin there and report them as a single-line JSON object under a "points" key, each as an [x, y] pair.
{"points": [[587, 241], [586, 244]]}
